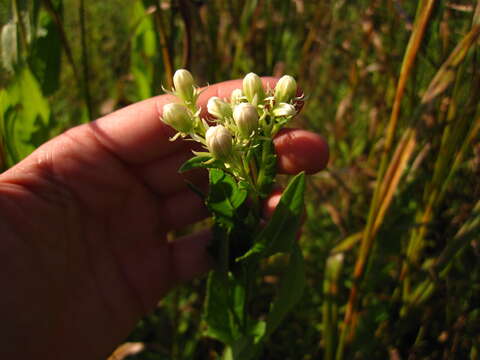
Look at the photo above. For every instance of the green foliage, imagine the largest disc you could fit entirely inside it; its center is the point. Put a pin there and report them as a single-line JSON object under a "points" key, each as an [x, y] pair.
{"points": [[225, 196], [26, 116], [279, 234], [230, 288]]}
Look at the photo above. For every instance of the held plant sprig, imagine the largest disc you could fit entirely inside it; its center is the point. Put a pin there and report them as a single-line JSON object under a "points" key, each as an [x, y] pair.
{"points": [[240, 157]]}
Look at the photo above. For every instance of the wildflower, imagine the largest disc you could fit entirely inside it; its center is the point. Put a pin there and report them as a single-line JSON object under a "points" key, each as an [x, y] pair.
{"points": [[178, 117], [285, 89], [236, 97], [184, 85], [253, 88], [219, 142], [246, 119], [219, 108], [284, 109]]}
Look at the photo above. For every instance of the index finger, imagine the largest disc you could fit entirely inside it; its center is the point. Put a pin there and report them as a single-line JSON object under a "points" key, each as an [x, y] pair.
{"points": [[135, 133]]}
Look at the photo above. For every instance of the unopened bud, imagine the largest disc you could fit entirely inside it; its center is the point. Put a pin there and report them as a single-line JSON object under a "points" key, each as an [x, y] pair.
{"points": [[184, 85], [236, 97], [286, 89], [178, 117], [219, 142], [253, 88], [284, 109], [219, 108], [246, 119]]}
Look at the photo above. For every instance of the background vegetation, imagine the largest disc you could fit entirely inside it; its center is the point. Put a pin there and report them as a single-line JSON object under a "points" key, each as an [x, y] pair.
{"points": [[392, 236]]}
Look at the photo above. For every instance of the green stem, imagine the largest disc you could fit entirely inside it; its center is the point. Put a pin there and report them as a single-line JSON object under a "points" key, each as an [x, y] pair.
{"points": [[263, 183]]}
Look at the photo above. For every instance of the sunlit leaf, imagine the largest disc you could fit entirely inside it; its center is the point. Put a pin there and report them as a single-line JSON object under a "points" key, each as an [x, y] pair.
{"points": [[280, 232]]}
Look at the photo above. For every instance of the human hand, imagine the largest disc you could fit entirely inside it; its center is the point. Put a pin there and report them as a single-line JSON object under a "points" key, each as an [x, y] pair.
{"points": [[84, 224]]}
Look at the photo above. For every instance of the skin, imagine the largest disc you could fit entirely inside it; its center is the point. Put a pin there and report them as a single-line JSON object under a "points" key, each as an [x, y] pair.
{"points": [[83, 224]]}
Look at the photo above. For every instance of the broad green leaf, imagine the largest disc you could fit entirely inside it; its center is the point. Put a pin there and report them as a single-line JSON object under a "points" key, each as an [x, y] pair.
{"points": [[225, 195], [290, 292], [143, 51], [9, 45], [281, 230], [26, 114], [224, 305], [217, 314]]}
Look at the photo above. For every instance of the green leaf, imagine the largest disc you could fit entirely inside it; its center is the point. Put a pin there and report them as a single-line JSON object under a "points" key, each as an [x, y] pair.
{"points": [[143, 51], [25, 114], [280, 233], [217, 314], [224, 305], [225, 195], [291, 290], [46, 54], [198, 162]]}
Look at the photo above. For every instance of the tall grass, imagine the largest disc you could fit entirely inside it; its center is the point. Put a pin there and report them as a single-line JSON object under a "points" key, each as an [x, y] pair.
{"points": [[392, 236]]}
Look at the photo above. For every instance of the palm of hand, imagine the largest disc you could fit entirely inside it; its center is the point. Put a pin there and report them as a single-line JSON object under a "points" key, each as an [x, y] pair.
{"points": [[101, 243]]}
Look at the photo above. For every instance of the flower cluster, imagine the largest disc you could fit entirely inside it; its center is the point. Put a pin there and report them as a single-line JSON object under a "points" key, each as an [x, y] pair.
{"points": [[238, 125]]}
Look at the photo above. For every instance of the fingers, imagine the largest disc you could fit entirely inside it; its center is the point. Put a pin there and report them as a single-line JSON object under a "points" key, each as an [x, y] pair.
{"points": [[182, 209], [163, 178], [190, 257], [300, 150], [157, 267], [271, 203], [135, 133]]}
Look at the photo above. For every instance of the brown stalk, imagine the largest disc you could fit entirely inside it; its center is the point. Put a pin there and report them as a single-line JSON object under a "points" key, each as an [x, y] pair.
{"points": [[162, 34], [380, 203], [187, 42]]}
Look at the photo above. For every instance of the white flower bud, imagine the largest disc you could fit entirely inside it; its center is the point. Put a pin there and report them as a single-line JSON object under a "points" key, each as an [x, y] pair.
{"points": [[284, 109], [219, 108], [253, 88], [236, 97], [178, 117], [184, 85], [219, 142], [286, 89], [246, 119]]}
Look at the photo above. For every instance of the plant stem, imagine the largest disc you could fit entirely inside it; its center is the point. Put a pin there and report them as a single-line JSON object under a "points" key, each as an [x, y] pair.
{"points": [[423, 15], [263, 185], [162, 34], [17, 16], [86, 71]]}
